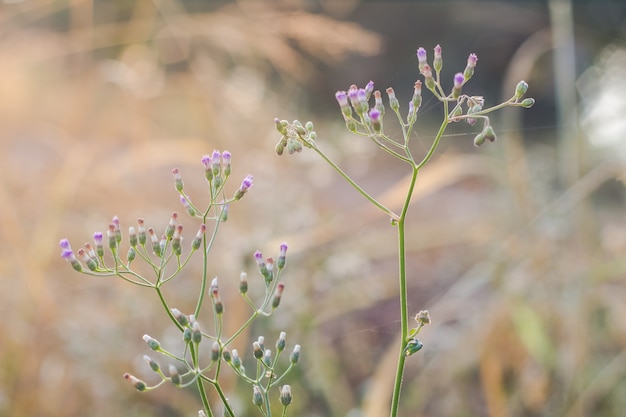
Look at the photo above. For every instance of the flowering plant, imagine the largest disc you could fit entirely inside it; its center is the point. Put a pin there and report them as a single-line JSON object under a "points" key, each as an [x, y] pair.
{"points": [[366, 120], [166, 259], [164, 254]]}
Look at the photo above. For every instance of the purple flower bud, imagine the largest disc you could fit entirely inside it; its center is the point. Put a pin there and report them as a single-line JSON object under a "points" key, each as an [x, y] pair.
{"points": [[278, 295], [224, 213], [428, 77], [471, 64], [197, 241], [156, 247], [97, 238], [417, 95], [353, 95], [188, 207], [68, 254], [141, 232], [459, 79], [282, 256], [206, 161], [378, 102], [176, 240], [263, 269], [393, 101], [375, 119], [226, 156], [437, 61], [244, 187], [111, 237], [243, 283], [361, 106], [421, 57], [169, 231], [411, 116], [342, 99], [92, 264], [118, 231], [178, 180], [368, 89]]}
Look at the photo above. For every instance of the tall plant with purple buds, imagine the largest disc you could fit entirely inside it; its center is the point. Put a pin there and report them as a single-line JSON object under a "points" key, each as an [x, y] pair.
{"points": [[366, 120], [207, 353]]}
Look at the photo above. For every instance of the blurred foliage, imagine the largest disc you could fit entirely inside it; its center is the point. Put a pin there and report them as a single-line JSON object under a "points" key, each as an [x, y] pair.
{"points": [[523, 274]]}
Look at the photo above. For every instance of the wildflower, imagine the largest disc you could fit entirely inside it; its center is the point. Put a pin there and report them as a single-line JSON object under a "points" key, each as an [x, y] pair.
{"points": [[393, 101], [428, 77], [111, 237], [68, 254], [469, 69], [282, 256], [154, 365], [520, 89], [178, 180], [197, 241], [180, 317], [280, 343], [152, 342], [97, 238], [295, 355], [278, 294], [243, 283], [458, 83], [216, 163], [208, 170], [226, 156], [257, 350], [244, 187], [417, 95], [187, 205], [437, 61], [257, 396], [174, 375], [169, 231], [118, 231], [344, 105], [215, 351], [421, 58], [375, 118], [285, 395], [141, 232], [135, 382]]}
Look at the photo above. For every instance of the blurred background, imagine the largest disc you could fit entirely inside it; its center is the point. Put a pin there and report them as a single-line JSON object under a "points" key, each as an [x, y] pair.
{"points": [[516, 248]]}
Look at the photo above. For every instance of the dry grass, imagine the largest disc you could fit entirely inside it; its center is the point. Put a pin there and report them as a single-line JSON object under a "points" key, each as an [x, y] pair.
{"points": [[100, 101]]}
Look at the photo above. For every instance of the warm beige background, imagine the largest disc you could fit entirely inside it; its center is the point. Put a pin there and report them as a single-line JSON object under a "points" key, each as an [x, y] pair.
{"points": [[516, 248]]}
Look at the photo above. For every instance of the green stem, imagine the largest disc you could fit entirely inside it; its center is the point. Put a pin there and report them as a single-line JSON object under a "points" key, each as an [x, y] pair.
{"points": [[404, 314], [355, 185]]}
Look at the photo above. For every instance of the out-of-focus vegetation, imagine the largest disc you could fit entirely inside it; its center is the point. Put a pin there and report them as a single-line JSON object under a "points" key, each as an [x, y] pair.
{"points": [[517, 249]]}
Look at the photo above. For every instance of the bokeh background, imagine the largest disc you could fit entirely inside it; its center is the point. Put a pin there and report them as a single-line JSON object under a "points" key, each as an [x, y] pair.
{"points": [[516, 248]]}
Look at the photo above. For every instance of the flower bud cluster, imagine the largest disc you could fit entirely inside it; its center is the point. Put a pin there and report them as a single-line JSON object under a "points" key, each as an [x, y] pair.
{"points": [[294, 136], [93, 255]]}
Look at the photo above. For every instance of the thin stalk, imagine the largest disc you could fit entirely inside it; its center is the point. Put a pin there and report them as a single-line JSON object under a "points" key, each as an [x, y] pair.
{"points": [[355, 185]]}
